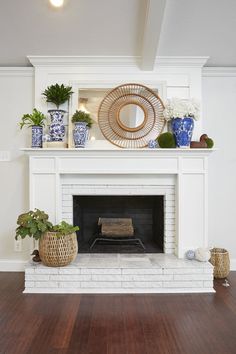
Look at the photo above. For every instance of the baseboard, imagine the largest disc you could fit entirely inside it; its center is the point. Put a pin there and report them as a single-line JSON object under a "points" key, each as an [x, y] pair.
{"points": [[12, 265], [233, 264]]}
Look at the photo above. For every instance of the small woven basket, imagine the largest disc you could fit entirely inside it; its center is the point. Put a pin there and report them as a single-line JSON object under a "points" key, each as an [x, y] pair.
{"points": [[57, 251], [221, 262]]}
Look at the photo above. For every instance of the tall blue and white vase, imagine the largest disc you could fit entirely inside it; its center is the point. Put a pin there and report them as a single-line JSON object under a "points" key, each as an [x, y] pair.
{"points": [[182, 129], [37, 136], [56, 128], [80, 134]]}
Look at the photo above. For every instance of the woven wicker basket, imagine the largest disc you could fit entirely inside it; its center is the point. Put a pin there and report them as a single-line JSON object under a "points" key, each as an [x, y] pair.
{"points": [[221, 262], [57, 251]]}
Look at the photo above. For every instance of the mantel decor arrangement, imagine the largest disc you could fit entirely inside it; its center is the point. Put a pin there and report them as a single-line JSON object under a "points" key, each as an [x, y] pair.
{"points": [[82, 123], [57, 94], [182, 113], [35, 120], [57, 243], [131, 115]]}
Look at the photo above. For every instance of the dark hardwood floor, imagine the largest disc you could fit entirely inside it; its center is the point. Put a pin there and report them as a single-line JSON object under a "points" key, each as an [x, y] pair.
{"points": [[116, 324]]}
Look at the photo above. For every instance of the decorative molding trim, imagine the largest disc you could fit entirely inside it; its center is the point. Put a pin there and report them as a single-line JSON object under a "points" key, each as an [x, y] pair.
{"points": [[12, 265], [233, 264], [16, 71], [118, 61], [219, 71]]}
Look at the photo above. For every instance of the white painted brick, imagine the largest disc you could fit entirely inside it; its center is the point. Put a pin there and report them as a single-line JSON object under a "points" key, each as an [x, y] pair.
{"points": [[141, 284], [208, 284], [46, 270], [70, 285], [66, 190], [66, 196], [29, 284], [29, 270], [67, 203], [147, 277], [101, 284], [66, 209], [170, 203], [169, 245], [169, 227], [106, 277], [69, 277], [69, 221], [192, 277], [142, 271], [169, 209], [69, 271], [170, 251], [208, 270], [182, 270], [46, 284], [100, 271], [170, 197], [170, 233], [183, 284], [37, 277], [169, 239], [170, 220]]}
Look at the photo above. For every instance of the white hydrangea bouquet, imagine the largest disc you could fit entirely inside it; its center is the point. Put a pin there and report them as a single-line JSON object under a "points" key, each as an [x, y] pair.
{"points": [[180, 108]]}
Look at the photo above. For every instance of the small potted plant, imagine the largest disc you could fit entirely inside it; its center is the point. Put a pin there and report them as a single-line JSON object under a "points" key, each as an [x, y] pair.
{"points": [[57, 244], [82, 122], [35, 120], [182, 113], [57, 94]]}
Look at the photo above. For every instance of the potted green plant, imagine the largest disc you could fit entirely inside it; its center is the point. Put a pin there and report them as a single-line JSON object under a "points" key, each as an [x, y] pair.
{"points": [[57, 244], [82, 122], [57, 94], [35, 120]]}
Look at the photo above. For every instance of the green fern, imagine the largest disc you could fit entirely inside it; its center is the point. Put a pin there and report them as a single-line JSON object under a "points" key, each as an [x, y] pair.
{"points": [[81, 116], [58, 94], [36, 118]]}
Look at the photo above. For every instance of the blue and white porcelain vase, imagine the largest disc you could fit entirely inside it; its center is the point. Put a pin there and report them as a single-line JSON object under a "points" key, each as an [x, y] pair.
{"points": [[37, 136], [80, 134], [56, 128], [182, 129]]}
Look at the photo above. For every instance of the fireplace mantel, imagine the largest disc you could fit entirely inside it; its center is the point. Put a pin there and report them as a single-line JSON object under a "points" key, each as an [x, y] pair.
{"points": [[137, 170]]}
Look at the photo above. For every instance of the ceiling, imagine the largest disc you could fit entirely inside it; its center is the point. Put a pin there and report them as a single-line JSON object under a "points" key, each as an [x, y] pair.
{"points": [[118, 27]]}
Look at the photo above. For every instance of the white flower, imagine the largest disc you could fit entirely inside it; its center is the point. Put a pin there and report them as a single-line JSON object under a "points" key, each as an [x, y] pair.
{"points": [[180, 108]]}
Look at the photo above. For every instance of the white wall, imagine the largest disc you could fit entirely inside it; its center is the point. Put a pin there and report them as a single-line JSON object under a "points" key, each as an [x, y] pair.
{"points": [[16, 97], [219, 99]]}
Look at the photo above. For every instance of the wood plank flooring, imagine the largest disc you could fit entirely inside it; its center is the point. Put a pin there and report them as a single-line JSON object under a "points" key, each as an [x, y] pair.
{"points": [[116, 324]]}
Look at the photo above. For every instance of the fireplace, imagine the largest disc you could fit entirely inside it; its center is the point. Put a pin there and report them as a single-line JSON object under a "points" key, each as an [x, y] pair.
{"points": [[146, 213]]}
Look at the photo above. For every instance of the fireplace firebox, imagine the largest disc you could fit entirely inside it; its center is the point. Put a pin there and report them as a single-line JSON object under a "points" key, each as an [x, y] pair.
{"points": [[146, 213]]}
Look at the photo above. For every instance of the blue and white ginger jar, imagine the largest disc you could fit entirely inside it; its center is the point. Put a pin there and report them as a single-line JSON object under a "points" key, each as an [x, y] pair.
{"points": [[80, 134], [57, 128], [37, 136], [182, 129]]}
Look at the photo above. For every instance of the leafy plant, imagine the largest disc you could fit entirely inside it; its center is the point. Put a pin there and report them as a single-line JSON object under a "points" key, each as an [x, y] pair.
{"points": [[166, 140], [58, 94], [64, 228], [81, 116], [36, 118], [33, 224]]}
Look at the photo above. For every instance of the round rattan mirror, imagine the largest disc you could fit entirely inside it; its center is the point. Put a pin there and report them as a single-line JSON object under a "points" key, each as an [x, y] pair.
{"points": [[130, 115]]}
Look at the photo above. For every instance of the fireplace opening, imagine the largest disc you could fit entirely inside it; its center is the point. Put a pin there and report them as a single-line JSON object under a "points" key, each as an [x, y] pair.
{"points": [[131, 224]]}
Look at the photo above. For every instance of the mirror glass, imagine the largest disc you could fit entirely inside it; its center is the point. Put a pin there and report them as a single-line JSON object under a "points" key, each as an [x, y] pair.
{"points": [[131, 115]]}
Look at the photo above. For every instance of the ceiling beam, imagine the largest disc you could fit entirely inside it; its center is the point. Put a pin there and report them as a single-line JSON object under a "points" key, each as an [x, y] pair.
{"points": [[152, 30]]}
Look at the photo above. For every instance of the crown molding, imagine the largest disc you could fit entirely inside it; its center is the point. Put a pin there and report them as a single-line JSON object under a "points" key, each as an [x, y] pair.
{"points": [[16, 71], [115, 61], [219, 71]]}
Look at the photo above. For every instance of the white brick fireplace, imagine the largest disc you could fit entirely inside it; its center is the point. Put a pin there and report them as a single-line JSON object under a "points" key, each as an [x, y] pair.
{"points": [[178, 175]]}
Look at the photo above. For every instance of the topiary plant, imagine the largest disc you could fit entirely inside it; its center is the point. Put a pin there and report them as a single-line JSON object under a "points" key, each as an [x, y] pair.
{"points": [[209, 142], [58, 94], [64, 229], [166, 140], [81, 116], [33, 224], [37, 118]]}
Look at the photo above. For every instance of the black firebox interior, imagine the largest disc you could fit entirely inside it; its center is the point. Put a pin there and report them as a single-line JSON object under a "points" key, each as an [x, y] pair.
{"points": [[147, 213]]}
